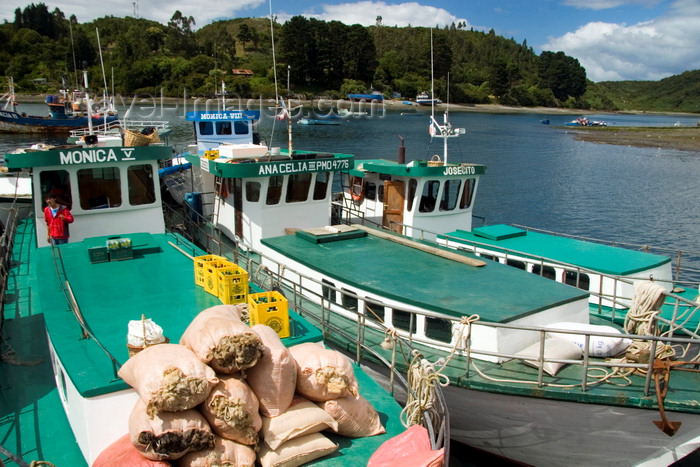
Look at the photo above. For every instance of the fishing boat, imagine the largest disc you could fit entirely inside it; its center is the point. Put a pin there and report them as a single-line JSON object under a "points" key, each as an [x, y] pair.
{"points": [[68, 309], [318, 121], [67, 111], [541, 371], [425, 99], [373, 96]]}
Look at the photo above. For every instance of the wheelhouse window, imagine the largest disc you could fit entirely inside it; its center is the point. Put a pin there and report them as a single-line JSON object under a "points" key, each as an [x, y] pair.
{"points": [[577, 279], [141, 187], [223, 128], [547, 271], [274, 190], [450, 194], [516, 264], [374, 311], [404, 320], [298, 187], [438, 329], [321, 185], [328, 290], [58, 183], [371, 191], [206, 128], [467, 194], [349, 300], [412, 186], [380, 193], [241, 128], [99, 188], [252, 192], [429, 196]]}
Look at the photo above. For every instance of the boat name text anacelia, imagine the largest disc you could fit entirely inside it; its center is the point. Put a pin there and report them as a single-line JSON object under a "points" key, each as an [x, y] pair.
{"points": [[304, 166]]}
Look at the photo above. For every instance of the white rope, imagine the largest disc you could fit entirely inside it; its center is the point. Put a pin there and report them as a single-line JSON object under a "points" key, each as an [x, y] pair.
{"points": [[422, 379]]}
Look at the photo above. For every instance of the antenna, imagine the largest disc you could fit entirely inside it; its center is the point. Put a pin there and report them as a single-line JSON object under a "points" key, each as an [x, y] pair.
{"points": [[136, 8]]}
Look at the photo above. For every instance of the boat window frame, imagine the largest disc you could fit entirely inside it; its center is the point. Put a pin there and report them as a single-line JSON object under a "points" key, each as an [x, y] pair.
{"points": [[465, 201], [98, 196], [429, 196], [274, 190], [431, 322], [298, 186], [321, 185], [60, 185], [134, 188], [411, 189], [252, 191], [450, 196]]}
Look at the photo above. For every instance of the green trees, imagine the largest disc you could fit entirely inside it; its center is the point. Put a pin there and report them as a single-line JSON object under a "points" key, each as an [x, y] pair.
{"points": [[324, 58]]}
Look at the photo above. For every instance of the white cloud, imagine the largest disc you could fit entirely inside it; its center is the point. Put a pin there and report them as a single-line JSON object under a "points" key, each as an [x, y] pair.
{"points": [[607, 4], [650, 50], [401, 14]]}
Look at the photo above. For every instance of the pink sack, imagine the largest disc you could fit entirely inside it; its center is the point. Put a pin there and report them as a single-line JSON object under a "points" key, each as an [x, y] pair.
{"points": [[168, 377], [219, 338], [274, 377], [168, 435], [122, 452], [323, 374], [410, 448], [232, 411]]}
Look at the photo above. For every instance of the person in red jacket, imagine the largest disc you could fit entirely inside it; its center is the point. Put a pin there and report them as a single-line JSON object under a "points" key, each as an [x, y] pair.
{"points": [[57, 218]]}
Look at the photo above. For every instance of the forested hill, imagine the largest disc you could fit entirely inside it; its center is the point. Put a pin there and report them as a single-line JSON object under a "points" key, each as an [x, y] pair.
{"points": [[317, 58]]}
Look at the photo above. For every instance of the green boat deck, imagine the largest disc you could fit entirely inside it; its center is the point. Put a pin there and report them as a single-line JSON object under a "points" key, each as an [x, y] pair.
{"points": [[159, 283], [602, 258], [412, 276]]}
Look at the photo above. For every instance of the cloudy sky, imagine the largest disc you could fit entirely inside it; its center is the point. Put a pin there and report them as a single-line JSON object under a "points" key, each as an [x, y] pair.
{"points": [[612, 39]]}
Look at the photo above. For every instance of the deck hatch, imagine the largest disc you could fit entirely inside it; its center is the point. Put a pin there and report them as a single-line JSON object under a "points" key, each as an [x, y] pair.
{"points": [[331, 233], [498, 232]]}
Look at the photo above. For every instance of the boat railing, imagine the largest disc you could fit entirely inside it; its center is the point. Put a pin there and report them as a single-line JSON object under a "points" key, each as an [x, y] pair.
{"points": [[86, 332], [7, 239], [676, 255], [303, 299], [116, 125]]}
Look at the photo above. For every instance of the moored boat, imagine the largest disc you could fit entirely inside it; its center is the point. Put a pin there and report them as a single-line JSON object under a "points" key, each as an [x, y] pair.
{"points": [[491, 322], [68, 112], [119, 265]]}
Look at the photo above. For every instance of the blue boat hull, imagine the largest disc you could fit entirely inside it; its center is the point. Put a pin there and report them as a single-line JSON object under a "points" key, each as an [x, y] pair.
{"points": [[13, 122]]}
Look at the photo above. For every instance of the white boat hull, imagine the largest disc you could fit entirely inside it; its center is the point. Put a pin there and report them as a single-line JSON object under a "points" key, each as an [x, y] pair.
{"points": [[546, 432]]}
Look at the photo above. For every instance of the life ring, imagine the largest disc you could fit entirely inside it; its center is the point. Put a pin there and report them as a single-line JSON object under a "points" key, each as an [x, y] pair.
{"points": [[357, 192]]}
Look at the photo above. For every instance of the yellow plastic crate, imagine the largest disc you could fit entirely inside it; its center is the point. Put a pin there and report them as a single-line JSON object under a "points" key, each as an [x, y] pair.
{"points": [[199, 263], [270, 309], [211, 275], [232, 284]]}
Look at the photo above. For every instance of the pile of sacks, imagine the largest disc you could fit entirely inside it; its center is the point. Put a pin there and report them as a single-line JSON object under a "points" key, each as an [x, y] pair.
{"points": [[230, 394]]}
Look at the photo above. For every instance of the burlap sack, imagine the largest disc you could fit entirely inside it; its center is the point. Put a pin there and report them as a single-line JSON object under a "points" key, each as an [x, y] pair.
{"points": [[302, 418], [273, 379], [232, 411], [225, 453], [168, 377], [356, 417], [168, 435], [323, 374], [220, 339]]}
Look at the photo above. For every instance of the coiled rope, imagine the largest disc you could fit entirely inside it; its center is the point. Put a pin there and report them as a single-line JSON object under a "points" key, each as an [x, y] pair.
{"points": [[422, 379]]}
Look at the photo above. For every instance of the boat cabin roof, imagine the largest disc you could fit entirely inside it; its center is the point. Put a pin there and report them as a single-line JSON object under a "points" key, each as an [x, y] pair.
{"points": [[382, 267], [590, 255]]}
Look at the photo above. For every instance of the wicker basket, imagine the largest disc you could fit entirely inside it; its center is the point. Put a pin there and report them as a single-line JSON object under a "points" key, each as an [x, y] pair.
{"points": [[134, 138], [134, 349], [435, 161]]}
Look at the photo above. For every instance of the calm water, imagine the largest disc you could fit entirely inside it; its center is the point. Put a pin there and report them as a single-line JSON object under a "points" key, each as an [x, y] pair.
{"points": [[536, 174]]}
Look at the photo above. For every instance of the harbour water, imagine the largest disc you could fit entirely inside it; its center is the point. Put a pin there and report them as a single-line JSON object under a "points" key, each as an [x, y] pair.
{"points": [[536, 175]]}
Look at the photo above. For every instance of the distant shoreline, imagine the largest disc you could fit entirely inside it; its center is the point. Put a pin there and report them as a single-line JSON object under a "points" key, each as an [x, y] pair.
{"points": [[680, 138], [398, 104]]}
